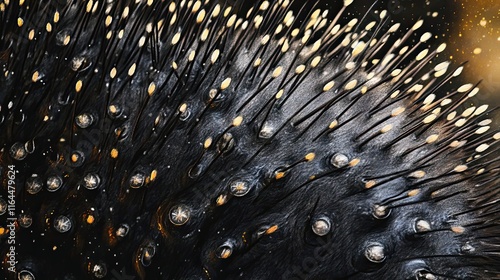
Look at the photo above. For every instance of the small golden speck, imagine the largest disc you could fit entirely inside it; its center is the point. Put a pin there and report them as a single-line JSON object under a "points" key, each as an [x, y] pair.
{"points": [[112, 74], [90, 219], [74, 157], [207, 143], [113, 109], [370, 184], [458, 229], [67, 39], [272, 229], [31, 34], [56, 17], [114, 153], [280, 175], [310, 156], [354, 162], [151, 88], [237, 121], [413, 192], [78, 85], [225, 84], [154, 173], [35, 76]]}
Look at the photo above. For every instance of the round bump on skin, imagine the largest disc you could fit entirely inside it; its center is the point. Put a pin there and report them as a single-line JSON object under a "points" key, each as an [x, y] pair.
{"points": [[222, 199], [84, 120], [18, 151], [76, 62], [77, 158], [225, 250], [424, 275], [422, 226], [179, 214], [239, 188], [339, 160], [321, 226], [25, 275], [266, 132], [374, 252], [212, 93], [121, 132], [80, 64], [380, 211], [226, 143], [25, 220], [467, 248], [92, 181], [115, 111], [34, 184], [3, 206], [195, 171], [54, 183], [62, 224], [99, 270], [122, 230], [184, 113], [137, 180], [415, 269], [147, 253]]}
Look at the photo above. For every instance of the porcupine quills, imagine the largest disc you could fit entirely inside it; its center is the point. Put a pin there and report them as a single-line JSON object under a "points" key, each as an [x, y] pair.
{"points": [[180, 140]]}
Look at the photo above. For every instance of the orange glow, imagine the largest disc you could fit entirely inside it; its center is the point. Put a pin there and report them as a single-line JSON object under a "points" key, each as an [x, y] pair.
{"points": [[478, 42]]}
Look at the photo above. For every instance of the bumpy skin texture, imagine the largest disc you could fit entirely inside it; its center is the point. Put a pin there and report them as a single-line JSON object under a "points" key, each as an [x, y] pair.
{"points": [[180, 141]]}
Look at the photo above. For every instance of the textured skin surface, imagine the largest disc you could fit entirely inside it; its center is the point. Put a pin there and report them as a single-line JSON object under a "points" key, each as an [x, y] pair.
{"points": [[183, 142]]}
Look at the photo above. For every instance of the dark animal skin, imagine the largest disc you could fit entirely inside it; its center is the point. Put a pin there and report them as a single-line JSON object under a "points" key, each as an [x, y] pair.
{"points": [[152, 140]]}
